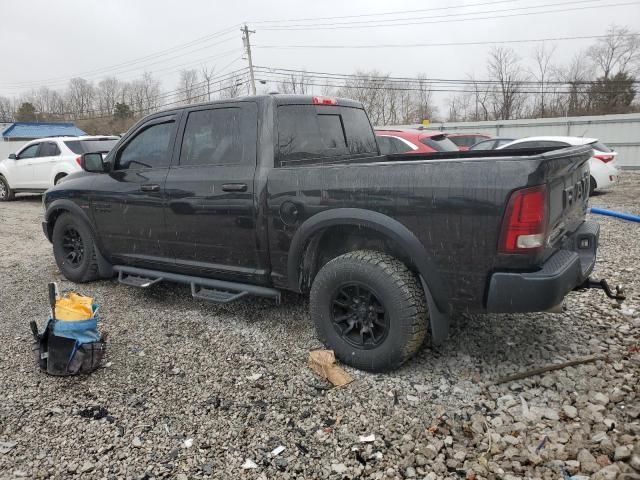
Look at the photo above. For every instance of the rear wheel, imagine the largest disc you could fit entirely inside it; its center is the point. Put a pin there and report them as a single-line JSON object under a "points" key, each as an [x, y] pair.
{"points": [[370, 309], [59, 177], [6, 193], [592, 185], [74, 249]]}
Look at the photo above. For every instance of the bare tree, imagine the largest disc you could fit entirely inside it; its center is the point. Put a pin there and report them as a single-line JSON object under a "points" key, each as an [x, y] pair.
{"points": [[150, 90], [189, 86], [542, 73], [618, 52], [80, 96], [207, 75], [107, 94], [504, 67], [459, 108], [294, 84], [481, 99], [231, 87], [6, 110], [576, 100]]}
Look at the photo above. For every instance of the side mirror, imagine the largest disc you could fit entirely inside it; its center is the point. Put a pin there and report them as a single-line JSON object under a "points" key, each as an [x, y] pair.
{"points": [[92, 162], [12, 156]]}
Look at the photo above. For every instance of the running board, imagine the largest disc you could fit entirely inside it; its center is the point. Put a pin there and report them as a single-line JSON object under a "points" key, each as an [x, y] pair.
{"points": [[209, 289], [137, 281]]}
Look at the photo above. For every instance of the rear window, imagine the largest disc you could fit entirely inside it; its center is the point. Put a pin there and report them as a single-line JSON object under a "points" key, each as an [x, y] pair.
{"points": [[90, 146], [313, 132], [601, 147], [440, 143]]}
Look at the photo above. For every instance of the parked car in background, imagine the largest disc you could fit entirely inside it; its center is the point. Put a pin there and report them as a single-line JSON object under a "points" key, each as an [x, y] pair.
{"points": [[413, 141], [42, 163], [464, 141], [491, 143], [603, 165]]}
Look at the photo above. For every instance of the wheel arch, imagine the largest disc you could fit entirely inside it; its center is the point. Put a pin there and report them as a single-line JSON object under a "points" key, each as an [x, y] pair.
{"points": [[305, 246], [61, 206]]}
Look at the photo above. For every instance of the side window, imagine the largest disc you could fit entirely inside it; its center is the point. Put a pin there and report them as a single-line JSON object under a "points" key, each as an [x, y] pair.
{"points": [[549, 143], [309, 132], [487, 145], [399, 146], [215, 137], [150, 148], [30, 152], [49, 149], [523, 145], [386, 147]]}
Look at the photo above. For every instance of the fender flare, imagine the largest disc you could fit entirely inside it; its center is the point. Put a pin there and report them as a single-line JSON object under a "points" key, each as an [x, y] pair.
{"points": [[379, 222], [104, 267]]}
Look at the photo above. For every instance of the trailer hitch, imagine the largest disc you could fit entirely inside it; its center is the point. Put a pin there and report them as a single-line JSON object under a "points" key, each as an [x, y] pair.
{"points": [[603, 285]]}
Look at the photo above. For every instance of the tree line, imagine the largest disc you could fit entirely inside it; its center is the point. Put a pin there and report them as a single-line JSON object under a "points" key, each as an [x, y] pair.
{"points": [[601, 79]]}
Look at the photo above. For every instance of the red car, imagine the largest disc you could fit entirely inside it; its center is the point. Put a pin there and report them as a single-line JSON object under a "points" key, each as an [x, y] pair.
{"points": [[413, 141], [464, 141]]}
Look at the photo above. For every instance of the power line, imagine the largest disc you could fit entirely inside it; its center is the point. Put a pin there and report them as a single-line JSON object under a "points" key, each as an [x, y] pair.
{"points": [[447, 44], [400, 12], [370, 25], [286, 72], [446, 15]]}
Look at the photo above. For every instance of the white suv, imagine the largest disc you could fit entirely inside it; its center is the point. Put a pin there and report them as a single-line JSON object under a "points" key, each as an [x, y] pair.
{"points": [[42, 163]]}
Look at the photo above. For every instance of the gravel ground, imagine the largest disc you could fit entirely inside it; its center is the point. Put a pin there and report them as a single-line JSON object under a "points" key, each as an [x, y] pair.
{"points": [[195, 390]]}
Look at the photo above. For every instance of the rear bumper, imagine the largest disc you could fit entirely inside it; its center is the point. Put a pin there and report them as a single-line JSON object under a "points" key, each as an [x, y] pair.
{"points": [[511, 292]]}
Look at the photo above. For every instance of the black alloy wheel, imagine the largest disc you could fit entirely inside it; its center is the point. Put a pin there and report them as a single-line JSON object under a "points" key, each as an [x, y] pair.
{"points": [[358, 316]]}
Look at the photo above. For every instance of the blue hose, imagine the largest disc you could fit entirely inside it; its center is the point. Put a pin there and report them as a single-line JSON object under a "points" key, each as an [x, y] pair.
{"points": [[613, 213]]}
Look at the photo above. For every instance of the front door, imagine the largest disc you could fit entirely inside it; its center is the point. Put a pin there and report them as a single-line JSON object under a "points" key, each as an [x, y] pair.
{"points": [[22, 168], [128, 202], [211, 203]]}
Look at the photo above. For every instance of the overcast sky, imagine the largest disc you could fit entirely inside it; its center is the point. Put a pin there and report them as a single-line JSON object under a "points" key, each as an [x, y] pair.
{"points": [[47, 42]]}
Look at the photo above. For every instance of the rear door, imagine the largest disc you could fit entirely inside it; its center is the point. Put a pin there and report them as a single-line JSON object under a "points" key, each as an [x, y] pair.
{"points": [[43, 165], [211, 202], [128, 202]]}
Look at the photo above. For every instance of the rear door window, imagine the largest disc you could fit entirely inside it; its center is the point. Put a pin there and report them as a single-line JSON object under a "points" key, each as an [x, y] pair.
{"points": [[220, 136], [311, 132], [49, 149]]}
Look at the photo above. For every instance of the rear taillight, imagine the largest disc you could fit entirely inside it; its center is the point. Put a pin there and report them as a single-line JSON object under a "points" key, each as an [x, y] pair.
{"points": [[79, 161], [604, 158], [524, 228], [324, 101]]}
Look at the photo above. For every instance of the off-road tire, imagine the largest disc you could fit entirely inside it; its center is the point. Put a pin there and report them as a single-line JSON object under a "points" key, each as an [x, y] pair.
{"points": [[87, 268], [399, 293], [8, 193]]}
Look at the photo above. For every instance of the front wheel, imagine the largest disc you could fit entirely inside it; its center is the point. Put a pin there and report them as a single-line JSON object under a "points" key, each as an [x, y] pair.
{"points": [[6, 193], [370, 309], [74, 249]]}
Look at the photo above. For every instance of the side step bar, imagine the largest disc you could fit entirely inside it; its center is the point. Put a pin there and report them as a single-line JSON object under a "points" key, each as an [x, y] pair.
{"points": [[209, 289]]}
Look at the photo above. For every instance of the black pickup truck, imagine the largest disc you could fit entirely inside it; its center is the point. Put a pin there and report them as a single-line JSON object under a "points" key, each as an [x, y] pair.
{"points": [[256, 195]]}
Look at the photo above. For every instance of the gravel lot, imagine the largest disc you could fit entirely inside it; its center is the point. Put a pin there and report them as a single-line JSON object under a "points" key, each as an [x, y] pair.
{"points": [[195, 390]]}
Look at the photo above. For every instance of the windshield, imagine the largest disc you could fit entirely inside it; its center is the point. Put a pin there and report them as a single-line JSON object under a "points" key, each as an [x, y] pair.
{"points": [[90, 146]]}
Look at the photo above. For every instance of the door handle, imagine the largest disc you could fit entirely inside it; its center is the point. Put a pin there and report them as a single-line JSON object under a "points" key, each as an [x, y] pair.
{"points": [[149, 187], [234, 187]]}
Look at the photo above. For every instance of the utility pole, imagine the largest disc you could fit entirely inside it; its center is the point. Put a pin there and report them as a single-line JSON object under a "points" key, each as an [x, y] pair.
{"points": [[247, 45]]}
